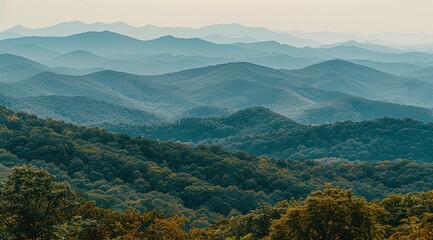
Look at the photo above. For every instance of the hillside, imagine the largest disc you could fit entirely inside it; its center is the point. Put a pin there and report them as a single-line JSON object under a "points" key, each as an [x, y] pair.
{"points": [[233, 86], [113, 87], [78, 59], [203, 182], [110, 43], [358, 109], [78, 110], [204, 112], [242, 123], [365, 82], [241, 85], [15, 68], [268, 133]]}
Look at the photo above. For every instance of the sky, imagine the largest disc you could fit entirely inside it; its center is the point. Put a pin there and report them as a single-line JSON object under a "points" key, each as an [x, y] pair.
{"points": [[361, 16]]}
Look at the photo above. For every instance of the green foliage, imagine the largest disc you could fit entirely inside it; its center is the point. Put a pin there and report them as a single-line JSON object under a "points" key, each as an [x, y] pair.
{"points": [[333, 213], [31, 203], [205, 183], [263, 132], [33, 206], [78, 110]]}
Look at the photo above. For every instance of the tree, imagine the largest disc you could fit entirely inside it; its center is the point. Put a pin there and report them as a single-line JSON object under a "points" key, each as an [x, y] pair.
{"points": [[330, 214], [32, 203], [414, 228]]}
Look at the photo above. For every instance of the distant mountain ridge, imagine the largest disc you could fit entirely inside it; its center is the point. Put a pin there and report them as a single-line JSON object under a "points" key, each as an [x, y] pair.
{"points": [[233, 86], [151, 32]]}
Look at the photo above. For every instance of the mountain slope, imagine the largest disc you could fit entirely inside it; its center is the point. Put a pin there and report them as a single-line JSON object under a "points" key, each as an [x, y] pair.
{"points": [[358, 109], [78, 110], [245, 122], [15, 68], [78, 59], [241, 85], [396, 68], [365, 82], [341, 52], [265, 133], [109, 43], [151, 32], [114, 87]]}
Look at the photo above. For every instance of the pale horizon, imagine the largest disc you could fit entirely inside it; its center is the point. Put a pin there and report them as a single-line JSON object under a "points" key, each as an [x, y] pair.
{"points": [[365, 17]]}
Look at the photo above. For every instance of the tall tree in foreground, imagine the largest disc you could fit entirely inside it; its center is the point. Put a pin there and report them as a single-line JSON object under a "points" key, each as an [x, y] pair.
{"points": [[330, 214], [31, 203]]}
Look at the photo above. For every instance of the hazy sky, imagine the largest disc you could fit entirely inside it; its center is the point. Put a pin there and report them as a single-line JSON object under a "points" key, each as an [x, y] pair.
{"points": [[364, 16]]}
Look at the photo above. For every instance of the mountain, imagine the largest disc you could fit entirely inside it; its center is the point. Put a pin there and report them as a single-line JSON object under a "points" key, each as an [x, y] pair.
{"points": [[227, 40], [147, 32], [109, 43], [327, 37], [113, 87], [205, 112], [78, 59], [263, 34], [78, 110], [241, 85], [358, 109], [422, 72], [247, 122], [158, 182], [356, 52], [263, 132], [29, 50], [369, 46], [341, 52], [365, 82], [15, 68], [232, 86], [396, 68], [143, 64], [207, 183], [282, 61], [6, 35]]}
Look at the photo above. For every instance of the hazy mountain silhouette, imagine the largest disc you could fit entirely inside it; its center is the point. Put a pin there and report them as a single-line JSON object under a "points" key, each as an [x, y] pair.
{"points": [[147, 32]]}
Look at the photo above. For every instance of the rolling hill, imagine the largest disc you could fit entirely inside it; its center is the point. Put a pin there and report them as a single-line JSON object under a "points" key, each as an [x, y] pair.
{"points": [[207, 183], [78, 110], [236, 31], [109, 43], [15, 68], [365, 82], [358, 109], [113, 87], [263, 132]]}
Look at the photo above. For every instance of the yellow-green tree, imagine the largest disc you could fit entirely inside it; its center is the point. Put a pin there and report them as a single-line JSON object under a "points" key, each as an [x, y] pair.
{"points": [[331, 214], [31, 203], [414, 228]]}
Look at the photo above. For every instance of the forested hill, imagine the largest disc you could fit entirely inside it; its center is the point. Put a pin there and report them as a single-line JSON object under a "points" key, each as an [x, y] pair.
{"points": [[203, 182], [263, 132]]}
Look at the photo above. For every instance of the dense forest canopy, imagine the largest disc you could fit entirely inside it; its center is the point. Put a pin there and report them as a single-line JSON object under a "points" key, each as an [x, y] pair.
{"points": [[33, 205], [204, 183], [263, 132]]}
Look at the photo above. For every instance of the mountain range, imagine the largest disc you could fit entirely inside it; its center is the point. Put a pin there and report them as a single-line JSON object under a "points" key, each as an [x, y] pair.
{"points": [[228, 33], [232, 86], [226, 125]]}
